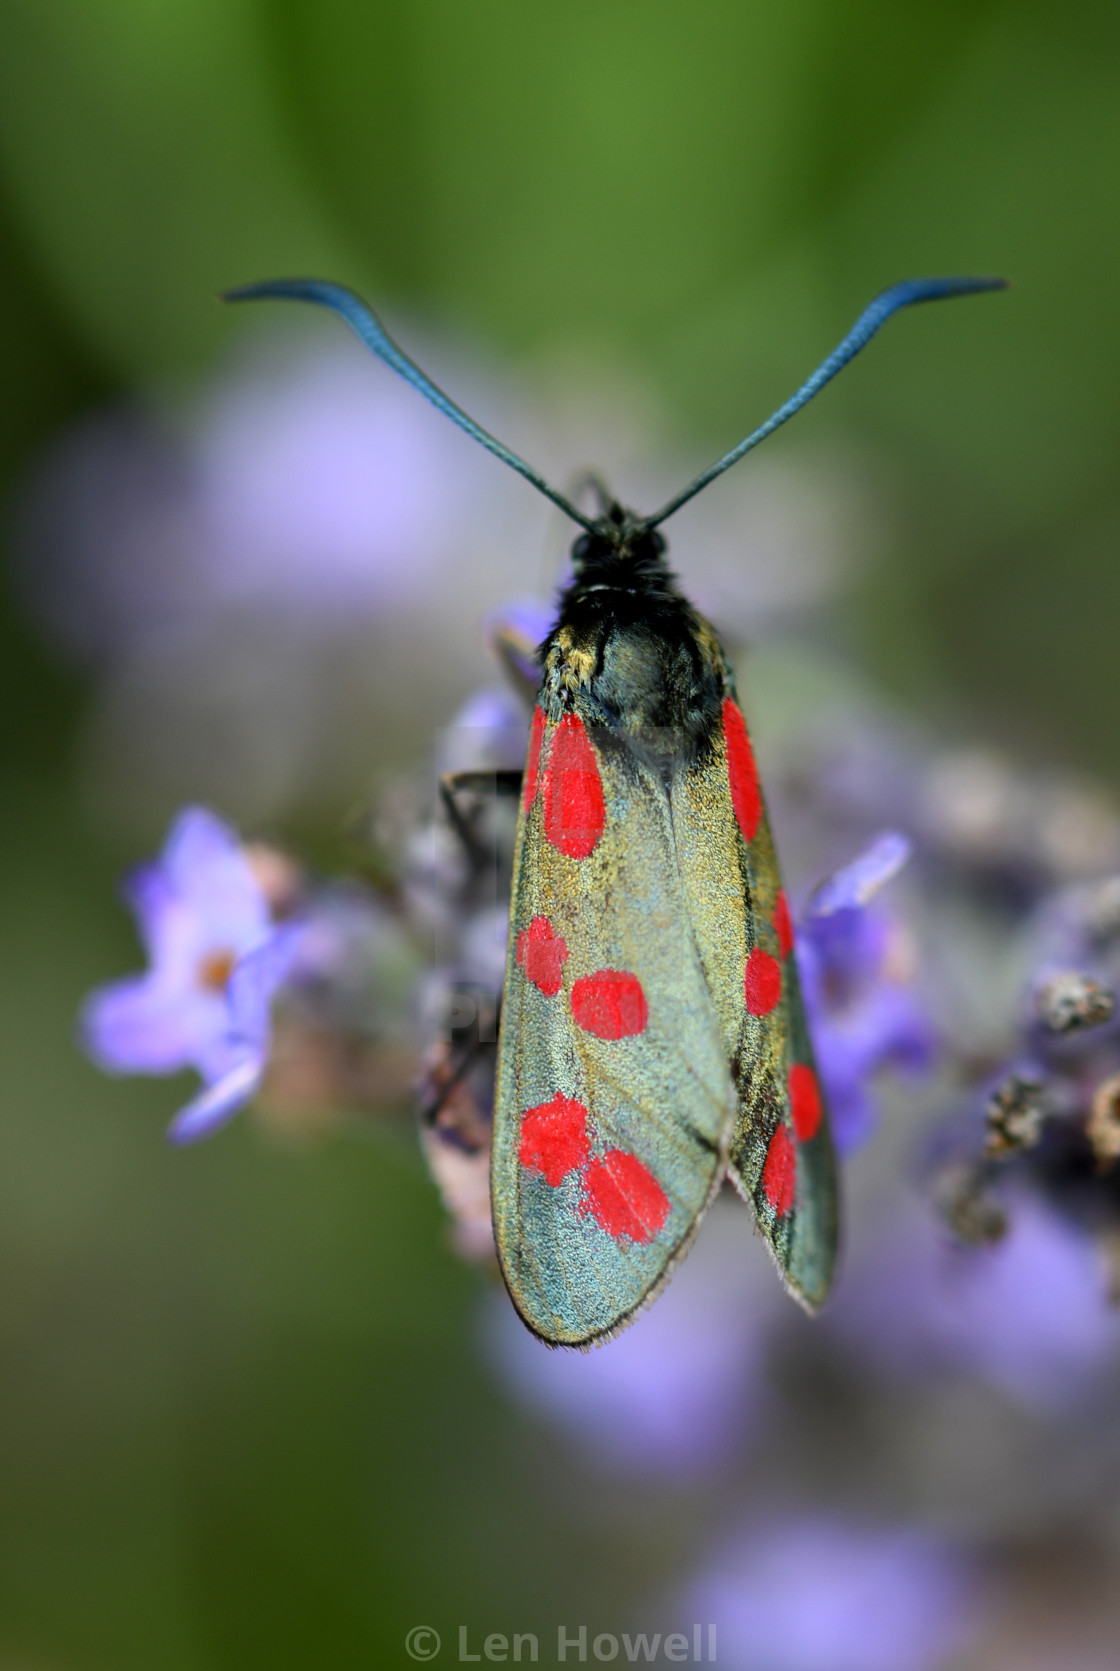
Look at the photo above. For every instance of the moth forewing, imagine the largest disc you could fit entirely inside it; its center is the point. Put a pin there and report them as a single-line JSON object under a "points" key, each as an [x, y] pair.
{"points": [[781, 1153], [614, 1102], [742, 926], [809, 1245]]}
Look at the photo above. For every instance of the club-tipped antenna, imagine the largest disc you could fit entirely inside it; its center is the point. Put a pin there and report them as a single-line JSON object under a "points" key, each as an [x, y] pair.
{"points": [[366, 324], [877, 313]]}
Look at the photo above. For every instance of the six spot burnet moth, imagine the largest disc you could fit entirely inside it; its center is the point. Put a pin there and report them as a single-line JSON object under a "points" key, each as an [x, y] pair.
{"points": [[653, 1039]]}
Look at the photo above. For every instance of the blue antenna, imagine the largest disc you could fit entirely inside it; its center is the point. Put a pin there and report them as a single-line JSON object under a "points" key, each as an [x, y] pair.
{"points": [[366, 324], [876, 313]]}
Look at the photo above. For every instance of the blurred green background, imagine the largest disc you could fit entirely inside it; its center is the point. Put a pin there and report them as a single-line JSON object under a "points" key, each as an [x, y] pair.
{"points": [[240, 1423]]}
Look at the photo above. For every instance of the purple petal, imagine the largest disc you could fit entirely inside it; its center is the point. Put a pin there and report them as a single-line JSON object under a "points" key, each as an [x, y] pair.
{"points": [[884, 1024], [181, 928], [180, 939], [527, 619], [884, 1027], [1027, 1315], [819, 1594], [840, 951], [218, 1103], [207, 870], [490, 732], [149, 895], [855, 884], [141, 1025], [198, 901], [1032, 1314], [851, 1109], [198, 840], [494, 709], [317, 481], [254, 982]]}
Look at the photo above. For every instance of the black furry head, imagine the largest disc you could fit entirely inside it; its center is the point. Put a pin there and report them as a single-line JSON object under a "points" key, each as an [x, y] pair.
{"points": [[619, 550]]}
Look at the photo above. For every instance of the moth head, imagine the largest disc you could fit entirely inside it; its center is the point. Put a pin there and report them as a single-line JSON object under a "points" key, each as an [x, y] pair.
{"points": [[618, 536]]}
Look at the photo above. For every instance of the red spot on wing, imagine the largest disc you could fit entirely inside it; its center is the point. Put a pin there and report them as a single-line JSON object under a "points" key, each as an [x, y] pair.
{"points": [[574, 811], [804, 1101], [554, 1138], [543, 955], [779, 1175], [610, 1004], [746, 796], [783, 923], [533, 759], [624, 1198], [762, 982]]}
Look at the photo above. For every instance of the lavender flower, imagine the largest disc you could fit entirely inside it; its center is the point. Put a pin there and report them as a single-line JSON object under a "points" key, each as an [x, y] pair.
{"points": [[306, 485], [854, 966], [490, 732], [1025, 1314], [216, 961], [814, 1593], [327, 487], [256, 582], [1051, 1110]]}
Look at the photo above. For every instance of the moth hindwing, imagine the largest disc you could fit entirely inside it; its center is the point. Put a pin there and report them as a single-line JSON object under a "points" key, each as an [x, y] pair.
{"points": [[652, 1033]]}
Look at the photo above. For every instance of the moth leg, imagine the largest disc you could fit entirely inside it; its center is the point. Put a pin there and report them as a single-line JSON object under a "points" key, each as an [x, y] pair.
{"points": [[441, 1079], [504, 782], [455, 1117], [455, 1090], [451, 784]]}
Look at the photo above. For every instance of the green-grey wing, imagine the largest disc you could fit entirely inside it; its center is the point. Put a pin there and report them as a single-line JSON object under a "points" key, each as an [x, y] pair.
{"points": [[614, 1101], [781, 1157]]}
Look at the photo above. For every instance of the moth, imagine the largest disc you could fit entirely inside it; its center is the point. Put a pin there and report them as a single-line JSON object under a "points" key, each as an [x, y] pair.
{"points": [[653, 1039]]}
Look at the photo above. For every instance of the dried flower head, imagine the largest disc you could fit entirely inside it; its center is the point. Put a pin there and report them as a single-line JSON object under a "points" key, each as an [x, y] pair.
{"points": [[1072, 1002], [1103, 1125], [961, 1196], [1014, 1116]]}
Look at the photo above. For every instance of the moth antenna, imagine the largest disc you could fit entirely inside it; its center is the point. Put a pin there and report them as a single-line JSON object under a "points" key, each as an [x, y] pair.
{"points": [[366, 324], [876, 313]]}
